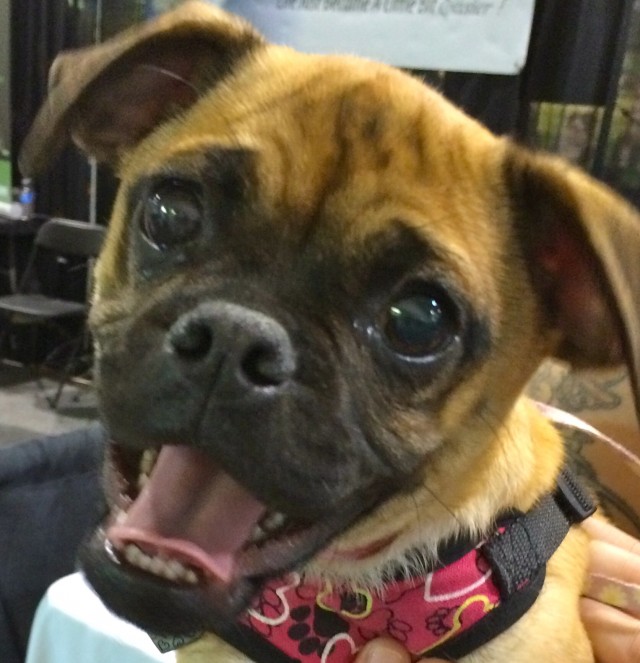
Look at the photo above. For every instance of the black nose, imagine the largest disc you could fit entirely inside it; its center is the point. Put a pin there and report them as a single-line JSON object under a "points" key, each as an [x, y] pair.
{"points": [[242, 349]]}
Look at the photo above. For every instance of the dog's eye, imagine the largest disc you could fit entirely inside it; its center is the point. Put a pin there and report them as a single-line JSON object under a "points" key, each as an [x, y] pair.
{"points": [[421, 324], [172, 214]]}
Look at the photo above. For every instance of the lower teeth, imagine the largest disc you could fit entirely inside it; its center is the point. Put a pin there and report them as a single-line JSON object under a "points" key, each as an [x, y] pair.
{"points": [[171, 569], [269, 526]]}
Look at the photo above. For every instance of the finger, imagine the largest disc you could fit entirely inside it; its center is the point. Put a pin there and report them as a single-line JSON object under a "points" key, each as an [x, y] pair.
{"points": [[615, 636], [614, 577], [383, 650], [600, 530], [606, 559]]}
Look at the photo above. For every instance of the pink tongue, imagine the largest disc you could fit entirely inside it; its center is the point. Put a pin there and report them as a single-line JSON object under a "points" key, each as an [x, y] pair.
{"points": [[192, 511]]}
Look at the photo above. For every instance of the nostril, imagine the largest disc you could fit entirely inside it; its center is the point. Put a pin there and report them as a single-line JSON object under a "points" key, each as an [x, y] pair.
{"points": [[191, 339], [267, 366], [237, 350]]}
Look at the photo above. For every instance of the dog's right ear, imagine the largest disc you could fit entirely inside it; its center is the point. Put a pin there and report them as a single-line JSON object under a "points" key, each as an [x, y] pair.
{"points": [[581, 242], [108, 97]]}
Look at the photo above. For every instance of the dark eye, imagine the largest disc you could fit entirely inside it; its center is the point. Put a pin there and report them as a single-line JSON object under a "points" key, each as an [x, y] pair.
{"points": [[421, 324], [172, 214]]}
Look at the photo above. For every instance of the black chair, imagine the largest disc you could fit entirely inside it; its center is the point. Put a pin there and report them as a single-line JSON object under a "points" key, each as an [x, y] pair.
{"points": [[72, 245]]}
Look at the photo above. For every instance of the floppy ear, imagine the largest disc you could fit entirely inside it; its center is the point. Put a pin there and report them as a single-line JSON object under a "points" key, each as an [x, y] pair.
{"points": [[110, 96], [582, 246]]}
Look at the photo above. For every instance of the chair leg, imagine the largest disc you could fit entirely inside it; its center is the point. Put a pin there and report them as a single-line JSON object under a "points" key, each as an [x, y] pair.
{"points": [[7, 325], [53, 402], [5, 328], [77, 354], [64, 377]]}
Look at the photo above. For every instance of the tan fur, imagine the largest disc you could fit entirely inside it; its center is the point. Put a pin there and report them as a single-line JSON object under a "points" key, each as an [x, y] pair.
{"points": [[351, 145], [451, 198]]}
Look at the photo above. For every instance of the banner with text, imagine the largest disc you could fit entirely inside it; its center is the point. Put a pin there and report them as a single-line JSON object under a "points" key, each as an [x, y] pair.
{"points": [[481, 36], [5, 104]]}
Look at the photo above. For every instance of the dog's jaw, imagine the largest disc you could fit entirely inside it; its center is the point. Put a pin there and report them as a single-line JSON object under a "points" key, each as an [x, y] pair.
{"points": [[207, 592], [192, 512], [200, 558]]}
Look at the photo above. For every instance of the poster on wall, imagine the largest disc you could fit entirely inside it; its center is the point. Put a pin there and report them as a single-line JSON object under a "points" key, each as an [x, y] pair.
{"points": [[5, 96], [475, 36]]}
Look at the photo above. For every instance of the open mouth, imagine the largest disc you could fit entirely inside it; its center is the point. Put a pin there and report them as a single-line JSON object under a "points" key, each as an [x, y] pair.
{"points": [[185, 546], [178, 516]]}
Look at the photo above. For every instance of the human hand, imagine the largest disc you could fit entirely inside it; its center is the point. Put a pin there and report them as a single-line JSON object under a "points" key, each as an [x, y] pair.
{"points": [[610, 611]]}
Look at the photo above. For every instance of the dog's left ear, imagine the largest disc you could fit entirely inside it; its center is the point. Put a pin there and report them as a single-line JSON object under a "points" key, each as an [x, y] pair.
{"points": [[108, 97], [582, 245]]}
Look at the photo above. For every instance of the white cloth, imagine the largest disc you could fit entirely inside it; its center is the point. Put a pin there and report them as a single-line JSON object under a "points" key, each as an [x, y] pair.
{"points": [[73, 626]]}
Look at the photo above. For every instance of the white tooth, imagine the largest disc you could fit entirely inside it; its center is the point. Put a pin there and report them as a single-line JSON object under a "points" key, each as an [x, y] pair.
{"points": [[138, 557], [121, 516], [144, 561], [148, 460], [273, 521], [132, 553], [257, 534], [169, 573], [175, 568], [171, 569], [142, 481], [157, 566]]}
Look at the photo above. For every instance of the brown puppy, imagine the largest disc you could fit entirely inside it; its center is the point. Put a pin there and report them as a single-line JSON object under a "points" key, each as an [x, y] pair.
{"points": [[323, 291]]}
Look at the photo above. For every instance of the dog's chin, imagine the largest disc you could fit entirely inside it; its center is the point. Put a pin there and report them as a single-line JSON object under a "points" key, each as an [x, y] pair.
{"points": [[157, 605], [172, 564]]}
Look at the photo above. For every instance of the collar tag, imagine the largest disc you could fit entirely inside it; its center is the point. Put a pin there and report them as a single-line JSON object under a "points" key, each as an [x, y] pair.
{"points": [[167, 643]]}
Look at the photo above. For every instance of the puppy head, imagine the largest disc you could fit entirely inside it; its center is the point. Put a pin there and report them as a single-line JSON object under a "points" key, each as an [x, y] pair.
{"points": [[322, 293]]}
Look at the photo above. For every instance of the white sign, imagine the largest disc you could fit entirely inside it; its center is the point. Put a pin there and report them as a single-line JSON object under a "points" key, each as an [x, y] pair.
{"points": [[484, 36]]}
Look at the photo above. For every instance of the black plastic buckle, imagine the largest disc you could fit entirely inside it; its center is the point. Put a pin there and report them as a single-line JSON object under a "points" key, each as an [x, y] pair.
{"points": [[574, 501]]}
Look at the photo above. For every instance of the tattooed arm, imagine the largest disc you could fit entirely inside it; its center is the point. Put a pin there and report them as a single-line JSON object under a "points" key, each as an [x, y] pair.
{"points": [[604, 400]]}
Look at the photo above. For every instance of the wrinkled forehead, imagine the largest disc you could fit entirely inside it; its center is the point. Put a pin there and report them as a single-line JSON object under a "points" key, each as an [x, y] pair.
{"points": [[337, 144], [316, 123]]}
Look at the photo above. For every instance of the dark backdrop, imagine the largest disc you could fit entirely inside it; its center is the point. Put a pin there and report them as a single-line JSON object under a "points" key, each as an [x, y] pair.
{"points": [[574, 57], [39, 31]]}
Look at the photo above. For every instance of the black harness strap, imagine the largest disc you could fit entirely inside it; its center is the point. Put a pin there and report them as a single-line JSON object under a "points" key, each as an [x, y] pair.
{"points": [[518, 555]]}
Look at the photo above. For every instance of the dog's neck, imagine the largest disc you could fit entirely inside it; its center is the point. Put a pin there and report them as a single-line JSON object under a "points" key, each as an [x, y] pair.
{"points": [[476, 591]]}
